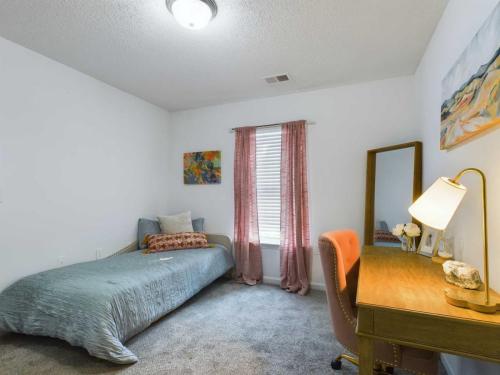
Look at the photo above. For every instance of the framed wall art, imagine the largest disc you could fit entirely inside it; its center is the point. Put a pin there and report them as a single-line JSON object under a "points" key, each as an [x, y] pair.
{"points": [[471, 89], [202, 168]]}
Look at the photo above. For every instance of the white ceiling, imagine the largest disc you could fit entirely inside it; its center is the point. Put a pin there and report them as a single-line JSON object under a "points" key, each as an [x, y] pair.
{"points": [[137, 46]]}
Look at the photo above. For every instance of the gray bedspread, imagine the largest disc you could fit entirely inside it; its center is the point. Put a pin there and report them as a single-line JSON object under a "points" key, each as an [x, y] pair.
{"points": [[99, 305]]}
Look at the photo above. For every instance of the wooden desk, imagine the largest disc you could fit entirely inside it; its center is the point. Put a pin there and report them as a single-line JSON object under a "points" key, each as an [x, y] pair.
{"points": [[400, 299]]}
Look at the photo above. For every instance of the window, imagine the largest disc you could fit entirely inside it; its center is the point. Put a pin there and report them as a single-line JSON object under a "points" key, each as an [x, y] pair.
{"points": [[268, 152]]}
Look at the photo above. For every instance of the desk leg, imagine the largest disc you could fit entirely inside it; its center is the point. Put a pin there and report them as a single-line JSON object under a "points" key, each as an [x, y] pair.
{"points": [[365, 355]]}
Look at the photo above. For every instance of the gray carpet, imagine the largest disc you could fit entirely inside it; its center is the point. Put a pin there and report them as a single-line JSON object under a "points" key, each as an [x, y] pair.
{"points": [[226, 329]]}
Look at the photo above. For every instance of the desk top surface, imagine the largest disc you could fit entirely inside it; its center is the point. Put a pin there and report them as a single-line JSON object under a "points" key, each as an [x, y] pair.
{"points": [[392, 279]]}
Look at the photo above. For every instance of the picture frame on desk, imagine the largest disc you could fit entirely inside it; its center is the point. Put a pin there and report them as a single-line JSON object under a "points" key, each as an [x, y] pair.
{"points": [[429, 242]]}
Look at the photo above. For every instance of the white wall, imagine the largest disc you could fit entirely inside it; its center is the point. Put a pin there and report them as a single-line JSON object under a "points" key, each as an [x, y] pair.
{"points": [[348, 121], [461, 20], [80, 162]]}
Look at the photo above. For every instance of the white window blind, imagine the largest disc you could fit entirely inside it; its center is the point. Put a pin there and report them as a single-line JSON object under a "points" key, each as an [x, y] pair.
{"points": [[268, 150]]}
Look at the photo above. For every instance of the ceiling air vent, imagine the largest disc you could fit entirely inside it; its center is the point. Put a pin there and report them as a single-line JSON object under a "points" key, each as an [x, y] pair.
{"points": [[278, 78]]}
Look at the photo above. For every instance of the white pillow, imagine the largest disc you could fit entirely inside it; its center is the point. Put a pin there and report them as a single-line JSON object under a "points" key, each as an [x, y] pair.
{"points": [[176, 223]]}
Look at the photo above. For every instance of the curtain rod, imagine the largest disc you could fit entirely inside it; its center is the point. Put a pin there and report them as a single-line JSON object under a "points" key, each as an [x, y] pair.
{"points": [[268, 125]]}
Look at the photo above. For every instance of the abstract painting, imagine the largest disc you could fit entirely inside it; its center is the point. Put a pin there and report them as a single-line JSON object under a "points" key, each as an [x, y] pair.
{"points": [[471, 90], [202, 168]]}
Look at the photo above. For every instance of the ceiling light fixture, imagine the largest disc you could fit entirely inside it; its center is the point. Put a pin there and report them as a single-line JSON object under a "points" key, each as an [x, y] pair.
{"points": [[193, 14]]}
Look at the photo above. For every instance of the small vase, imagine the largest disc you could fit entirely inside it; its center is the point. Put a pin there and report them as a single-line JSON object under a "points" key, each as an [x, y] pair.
{"points": [[410, 244], [404, 243]]}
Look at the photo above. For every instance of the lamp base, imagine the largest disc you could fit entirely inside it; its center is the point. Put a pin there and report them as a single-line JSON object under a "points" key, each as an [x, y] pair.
{"points": [[440, 260], [473, 300]]}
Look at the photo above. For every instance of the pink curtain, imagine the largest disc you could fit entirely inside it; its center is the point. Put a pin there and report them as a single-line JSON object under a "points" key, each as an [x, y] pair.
{"points": [[246, 227], [295, 244]]}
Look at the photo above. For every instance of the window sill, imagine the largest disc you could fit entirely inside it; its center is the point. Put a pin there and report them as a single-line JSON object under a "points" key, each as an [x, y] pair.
{"points": [[269, 246]]}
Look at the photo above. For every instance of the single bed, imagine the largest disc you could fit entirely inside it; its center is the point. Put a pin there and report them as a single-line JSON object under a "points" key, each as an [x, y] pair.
{"points": [[99, 305], [383, 236]]}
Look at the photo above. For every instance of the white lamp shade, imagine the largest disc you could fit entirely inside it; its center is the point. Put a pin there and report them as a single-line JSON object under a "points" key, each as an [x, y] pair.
{"points": [[437, 205]]}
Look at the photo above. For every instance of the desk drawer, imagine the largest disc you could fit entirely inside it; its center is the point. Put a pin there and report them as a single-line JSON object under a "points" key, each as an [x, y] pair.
{"points": [[433, 332]]}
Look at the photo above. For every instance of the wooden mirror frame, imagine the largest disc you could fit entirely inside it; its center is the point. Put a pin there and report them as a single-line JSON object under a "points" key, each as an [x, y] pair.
{"points": [[371, 169]]}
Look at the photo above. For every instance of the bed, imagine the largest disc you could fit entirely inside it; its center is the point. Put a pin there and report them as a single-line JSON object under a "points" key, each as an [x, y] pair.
{"points": [[384, 237], [99, 305]]}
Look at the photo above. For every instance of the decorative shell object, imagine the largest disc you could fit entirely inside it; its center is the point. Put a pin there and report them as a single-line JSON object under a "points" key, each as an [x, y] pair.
{"points": [[462, 274]]}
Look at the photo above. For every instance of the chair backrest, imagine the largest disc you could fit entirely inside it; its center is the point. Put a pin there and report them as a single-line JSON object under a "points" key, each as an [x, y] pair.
{"points": [[340, 253]]}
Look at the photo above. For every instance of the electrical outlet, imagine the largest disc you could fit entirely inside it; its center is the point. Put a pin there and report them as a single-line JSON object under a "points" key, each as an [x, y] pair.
{"points": [[98, 253]]}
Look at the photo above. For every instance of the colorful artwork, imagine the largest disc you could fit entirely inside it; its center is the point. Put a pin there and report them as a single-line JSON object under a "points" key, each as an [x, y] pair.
{"points": [[471, 90], [201, 168]]}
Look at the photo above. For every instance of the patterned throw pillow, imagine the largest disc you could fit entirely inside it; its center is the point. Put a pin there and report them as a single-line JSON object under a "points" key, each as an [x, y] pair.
{"points": [[384, 236], [166, 242]]}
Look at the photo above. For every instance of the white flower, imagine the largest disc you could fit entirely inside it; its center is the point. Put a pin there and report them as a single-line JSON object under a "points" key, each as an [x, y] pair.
{"points": [[398, 230], [412, 230]]}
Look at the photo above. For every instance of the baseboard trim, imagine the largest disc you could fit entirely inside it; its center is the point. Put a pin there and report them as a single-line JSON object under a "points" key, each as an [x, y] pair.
{"points": [[276, 281], [318, 286], [446, 364], [271, 280]]}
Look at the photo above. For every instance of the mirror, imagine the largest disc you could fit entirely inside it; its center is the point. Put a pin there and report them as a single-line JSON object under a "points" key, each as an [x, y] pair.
{"points": [[393, 182]]}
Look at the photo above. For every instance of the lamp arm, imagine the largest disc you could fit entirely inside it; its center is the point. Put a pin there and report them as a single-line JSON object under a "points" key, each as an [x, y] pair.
{"points": [[485, 224], [466, 170]]}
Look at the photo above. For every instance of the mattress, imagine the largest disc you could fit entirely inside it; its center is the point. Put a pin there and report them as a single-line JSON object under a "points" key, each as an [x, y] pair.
{"points": [[99, 305]]}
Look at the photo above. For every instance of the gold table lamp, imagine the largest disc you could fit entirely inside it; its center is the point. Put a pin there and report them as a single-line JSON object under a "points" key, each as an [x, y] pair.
{"points": [[435, 208]]}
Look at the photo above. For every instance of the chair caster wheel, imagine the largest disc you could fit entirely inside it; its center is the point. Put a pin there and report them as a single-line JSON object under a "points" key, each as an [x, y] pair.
{"points": [[336, 364]]}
